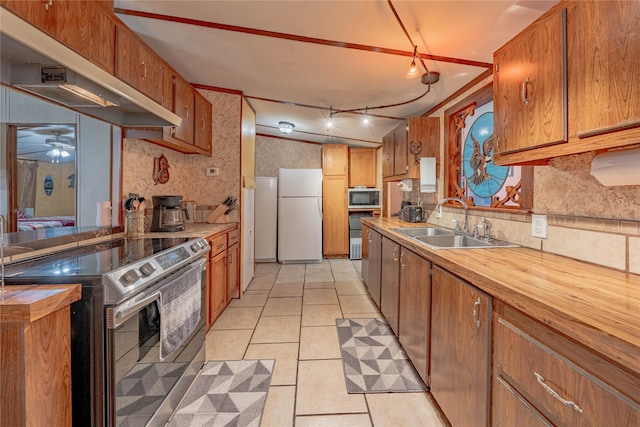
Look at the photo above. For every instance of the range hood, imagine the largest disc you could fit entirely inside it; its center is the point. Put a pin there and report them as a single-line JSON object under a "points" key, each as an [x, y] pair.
{"points": [[61, 85], [33, 61]]}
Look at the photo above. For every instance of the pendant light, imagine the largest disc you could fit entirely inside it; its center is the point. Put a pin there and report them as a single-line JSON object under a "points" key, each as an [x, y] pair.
{"points": [[413, 71]]}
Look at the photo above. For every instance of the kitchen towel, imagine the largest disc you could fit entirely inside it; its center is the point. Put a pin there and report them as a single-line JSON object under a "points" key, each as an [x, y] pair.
{"points": [[180, 305]]}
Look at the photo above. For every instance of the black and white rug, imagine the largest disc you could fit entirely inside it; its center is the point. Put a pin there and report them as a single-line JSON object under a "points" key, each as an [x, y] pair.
{"points": [[373, 360], [226, 393]]}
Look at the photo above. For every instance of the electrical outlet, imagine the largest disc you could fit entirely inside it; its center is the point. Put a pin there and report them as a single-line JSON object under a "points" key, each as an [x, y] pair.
{"points": [[213, 171], [539, 226]]}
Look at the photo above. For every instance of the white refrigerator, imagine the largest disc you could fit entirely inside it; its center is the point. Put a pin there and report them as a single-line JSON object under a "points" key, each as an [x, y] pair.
{"points": [[299, 215], [248, 227], [266, 218]]}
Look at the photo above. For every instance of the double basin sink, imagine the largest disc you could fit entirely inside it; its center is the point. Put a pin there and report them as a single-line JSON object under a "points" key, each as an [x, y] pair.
{"points": [[444, 238]]}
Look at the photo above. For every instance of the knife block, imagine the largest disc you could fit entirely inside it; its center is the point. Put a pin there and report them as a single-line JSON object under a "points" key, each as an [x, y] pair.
{"points": [[218, 216]]}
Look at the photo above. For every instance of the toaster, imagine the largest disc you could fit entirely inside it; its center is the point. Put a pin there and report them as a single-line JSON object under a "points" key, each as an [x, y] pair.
{"points": [[413, 213]]}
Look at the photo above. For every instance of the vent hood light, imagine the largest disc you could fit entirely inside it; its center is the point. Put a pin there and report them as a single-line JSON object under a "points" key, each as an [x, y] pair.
{"points": [[61, 85], [89, 96]]}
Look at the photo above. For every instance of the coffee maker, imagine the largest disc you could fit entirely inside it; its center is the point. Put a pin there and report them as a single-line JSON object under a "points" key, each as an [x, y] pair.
{"points": [[167, 213]]}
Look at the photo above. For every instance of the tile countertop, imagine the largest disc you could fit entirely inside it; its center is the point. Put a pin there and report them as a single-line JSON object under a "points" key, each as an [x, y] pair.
{"points": [[194, 230], [596, 306]]}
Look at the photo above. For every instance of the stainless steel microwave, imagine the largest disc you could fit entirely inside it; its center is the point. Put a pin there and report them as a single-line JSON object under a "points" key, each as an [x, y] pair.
{"points": [[364, 198]]}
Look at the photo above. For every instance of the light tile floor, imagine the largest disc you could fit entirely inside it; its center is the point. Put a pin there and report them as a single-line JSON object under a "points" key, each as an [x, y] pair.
{"points": [[288, 314]]}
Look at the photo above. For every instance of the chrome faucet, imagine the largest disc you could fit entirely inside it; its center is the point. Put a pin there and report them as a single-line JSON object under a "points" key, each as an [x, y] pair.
{"points": [[465, 225]]}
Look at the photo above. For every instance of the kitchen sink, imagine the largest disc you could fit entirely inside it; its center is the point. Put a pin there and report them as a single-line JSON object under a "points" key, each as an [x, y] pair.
{"points": [[423, 231], [456, 241]]}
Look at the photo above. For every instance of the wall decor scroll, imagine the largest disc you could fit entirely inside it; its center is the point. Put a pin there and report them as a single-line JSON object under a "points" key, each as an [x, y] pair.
{"points": [[471, 173], [160, 170]]}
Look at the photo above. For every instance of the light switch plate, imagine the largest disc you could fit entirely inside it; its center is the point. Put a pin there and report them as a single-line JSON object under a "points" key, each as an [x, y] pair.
{"points": [[539, 226], [213, 171]]}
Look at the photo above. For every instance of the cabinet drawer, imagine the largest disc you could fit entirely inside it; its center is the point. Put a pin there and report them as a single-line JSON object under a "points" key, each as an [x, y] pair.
{"points": [[234, 237], [559, 389], [218, 244]]}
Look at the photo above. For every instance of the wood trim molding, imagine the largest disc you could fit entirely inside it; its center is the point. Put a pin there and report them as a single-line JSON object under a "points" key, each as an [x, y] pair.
{"points": [[294, 37]]}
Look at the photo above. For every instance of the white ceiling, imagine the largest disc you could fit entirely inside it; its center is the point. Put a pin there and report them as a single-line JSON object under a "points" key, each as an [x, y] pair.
{"points": [[275, 69]]}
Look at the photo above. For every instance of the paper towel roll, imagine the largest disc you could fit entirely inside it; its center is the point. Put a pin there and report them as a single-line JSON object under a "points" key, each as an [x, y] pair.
{"points": [[617, 167], [103, 217]]}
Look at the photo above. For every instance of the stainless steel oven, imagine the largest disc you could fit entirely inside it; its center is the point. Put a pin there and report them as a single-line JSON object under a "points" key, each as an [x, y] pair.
{"points": [[143, 389], [115, 326]]}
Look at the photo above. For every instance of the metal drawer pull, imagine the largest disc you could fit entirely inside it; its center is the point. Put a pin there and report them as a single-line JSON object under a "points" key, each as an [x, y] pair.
{"points": [[555, 394], [524, 94], [476, 318]]}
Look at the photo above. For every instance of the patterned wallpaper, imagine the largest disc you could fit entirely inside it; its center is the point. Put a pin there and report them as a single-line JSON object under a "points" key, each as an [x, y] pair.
{"points": [[275, 153], [187, 171]]}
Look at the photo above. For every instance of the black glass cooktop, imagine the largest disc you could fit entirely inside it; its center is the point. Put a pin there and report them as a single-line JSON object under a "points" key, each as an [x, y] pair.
{"points": [[89, 262]]}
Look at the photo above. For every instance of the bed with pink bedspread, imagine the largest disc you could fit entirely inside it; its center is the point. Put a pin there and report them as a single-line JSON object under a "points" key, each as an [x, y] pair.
{"points": [[28, 224]]}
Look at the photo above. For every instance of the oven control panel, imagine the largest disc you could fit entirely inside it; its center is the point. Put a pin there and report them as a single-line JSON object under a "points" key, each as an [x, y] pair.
{"points": [[129, 279]]}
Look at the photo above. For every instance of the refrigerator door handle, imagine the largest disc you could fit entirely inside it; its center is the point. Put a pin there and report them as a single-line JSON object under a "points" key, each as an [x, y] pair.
{"points": [[319, 200]]}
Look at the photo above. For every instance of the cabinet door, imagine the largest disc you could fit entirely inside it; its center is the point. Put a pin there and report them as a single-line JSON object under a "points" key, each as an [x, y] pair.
{"points": [[374, 265], [217, 286], [335, 219], [185, 108], [42, 14], [335, 159], [233, 271], [364, 262], [390, 283], [387, 155], [362, 167], [415, 304], [129, 59], [530, 81], [88, 29], [203, 129], [608, 61], [460, 349], [401, 150]]}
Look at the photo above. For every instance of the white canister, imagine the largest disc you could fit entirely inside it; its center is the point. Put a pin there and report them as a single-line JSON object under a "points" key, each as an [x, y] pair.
{"points": [[103, 217]]}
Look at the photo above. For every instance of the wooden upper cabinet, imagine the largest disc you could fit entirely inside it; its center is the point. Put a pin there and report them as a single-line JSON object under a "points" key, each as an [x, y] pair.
{"points": [[362, 167], [400, 151], [387, 155], [203, 127], [530, 80], [87, 27], [335, 159], [608, 60], [403, 147], [139, 66], [185, 108]]}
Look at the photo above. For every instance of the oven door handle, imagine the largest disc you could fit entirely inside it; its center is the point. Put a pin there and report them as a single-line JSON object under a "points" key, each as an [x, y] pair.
{"points": [[122, 314]]}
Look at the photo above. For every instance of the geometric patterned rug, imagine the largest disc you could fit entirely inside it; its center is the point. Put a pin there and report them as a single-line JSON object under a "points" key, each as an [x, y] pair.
{"points": [[141, 391], [226, 393], [373, 360]]}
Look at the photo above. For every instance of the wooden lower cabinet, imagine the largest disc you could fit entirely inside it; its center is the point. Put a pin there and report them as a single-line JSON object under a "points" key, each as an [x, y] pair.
{"points": [[510, 409], [216, 278], [372, 262], [533, 364], [415, 305], [390, 283], [335, 219], [460, 349], [233, 271]]}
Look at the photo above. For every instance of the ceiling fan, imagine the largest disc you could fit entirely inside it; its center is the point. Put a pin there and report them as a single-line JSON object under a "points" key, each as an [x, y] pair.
{"points": [[60, 147]]}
